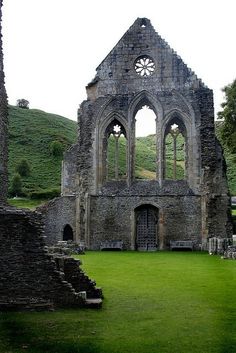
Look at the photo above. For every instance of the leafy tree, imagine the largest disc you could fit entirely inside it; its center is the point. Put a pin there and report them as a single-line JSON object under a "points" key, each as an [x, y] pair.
{"points": [[16, 185], [23, 168], [228, 114], [22, 103], [56, 148]]}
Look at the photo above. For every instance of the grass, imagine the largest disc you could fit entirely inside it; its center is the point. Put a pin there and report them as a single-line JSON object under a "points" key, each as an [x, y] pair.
{"points": [[26, 203], [163, 302]]}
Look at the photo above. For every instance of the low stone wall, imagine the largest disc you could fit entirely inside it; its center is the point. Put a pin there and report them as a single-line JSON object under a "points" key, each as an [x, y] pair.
{"points": [[30, 278]]}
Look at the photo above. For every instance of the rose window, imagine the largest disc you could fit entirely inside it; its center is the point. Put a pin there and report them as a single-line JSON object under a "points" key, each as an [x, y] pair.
{"points": [[144, 66]]}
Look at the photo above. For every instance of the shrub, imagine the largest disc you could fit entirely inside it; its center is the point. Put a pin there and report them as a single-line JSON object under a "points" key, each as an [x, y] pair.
{"points": [[16, 185], [56, 148], [22, 103], [23, 168]]}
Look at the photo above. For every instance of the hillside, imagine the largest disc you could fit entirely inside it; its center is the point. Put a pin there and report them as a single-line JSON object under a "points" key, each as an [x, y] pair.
{"points": [[145, 163], [230, 161], [31, 133]]}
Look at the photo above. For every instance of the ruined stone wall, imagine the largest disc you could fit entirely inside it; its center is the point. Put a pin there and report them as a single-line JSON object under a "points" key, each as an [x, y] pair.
{"points": [[57, 214], [3, 125], [213, 172], [116, 75], [94, 117], [69, 171], [29, 277], [196, 207], [113, 218]]}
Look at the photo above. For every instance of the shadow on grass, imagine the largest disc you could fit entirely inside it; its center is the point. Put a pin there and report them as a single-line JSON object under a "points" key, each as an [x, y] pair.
{"points": [[228, 322], [21, 337]]}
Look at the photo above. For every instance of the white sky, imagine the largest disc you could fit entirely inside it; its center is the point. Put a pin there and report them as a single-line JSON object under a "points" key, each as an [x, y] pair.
{"points": [[52, 47]]}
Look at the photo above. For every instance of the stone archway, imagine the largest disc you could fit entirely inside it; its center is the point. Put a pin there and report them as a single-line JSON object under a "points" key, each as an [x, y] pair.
{"points": [[146, 224], [68, 233]]}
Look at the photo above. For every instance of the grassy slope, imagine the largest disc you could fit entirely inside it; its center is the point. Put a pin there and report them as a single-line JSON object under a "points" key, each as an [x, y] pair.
{"points": [[30, 133], [154, 302]]}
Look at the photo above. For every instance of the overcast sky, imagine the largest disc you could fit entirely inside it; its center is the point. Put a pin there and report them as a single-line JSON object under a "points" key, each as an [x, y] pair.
{"points": [[52, 47]]}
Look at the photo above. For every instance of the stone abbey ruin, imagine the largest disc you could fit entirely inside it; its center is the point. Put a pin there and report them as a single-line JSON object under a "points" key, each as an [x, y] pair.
{"points": [[102, 207]]}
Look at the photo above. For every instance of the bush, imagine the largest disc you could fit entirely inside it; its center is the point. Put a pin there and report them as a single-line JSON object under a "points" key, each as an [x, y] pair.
{"points": [[56, 148], [45, 194], [23, 168], [22, 103], [16, 185]]}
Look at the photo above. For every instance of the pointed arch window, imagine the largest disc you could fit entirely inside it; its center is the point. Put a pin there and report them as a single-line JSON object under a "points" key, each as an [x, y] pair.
{"points": [[175, 156], [145, 143], [115, 152]]}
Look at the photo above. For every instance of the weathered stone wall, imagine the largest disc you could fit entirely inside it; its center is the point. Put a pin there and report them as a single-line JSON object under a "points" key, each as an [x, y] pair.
{"points": [[30, 278], [192, 209], [28, 274], [69, 171], [113, 218], [57, 214], [115, 75], [3, 125]]}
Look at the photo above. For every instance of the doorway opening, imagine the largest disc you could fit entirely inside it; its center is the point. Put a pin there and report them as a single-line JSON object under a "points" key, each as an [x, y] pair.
{"points": [[68, 233], [146, 217]]}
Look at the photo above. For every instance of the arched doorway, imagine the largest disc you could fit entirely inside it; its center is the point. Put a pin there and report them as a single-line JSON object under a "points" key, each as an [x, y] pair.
{"points": [[146, 217], [68, 233]]}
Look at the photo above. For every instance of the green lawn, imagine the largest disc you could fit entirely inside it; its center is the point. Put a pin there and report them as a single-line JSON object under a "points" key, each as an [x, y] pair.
{"points": [[163, 302], [26, 203]]}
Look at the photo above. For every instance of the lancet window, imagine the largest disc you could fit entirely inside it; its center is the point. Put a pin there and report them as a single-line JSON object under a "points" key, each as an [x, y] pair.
{"points": [[145, 144], [175, 157], [115, 150]]}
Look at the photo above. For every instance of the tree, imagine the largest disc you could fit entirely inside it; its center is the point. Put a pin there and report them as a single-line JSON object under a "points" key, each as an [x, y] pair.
{"points": [[23, 168], [228, 114], [16, 185], [56, 148], [22, 103]]}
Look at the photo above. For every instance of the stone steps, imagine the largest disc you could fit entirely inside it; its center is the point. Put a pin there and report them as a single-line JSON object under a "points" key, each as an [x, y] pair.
{"points": [[93, 303]]}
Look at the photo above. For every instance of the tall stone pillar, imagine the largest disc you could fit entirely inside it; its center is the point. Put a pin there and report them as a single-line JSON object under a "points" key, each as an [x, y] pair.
{"points": [[3, 125]]}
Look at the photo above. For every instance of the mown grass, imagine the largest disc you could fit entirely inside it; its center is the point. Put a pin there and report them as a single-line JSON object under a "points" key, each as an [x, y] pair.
{"points": [[164, 302]]}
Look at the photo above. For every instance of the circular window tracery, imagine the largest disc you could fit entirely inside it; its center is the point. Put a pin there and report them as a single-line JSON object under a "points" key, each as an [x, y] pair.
{"points": [[144, 66]]}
